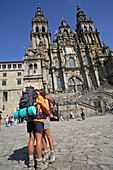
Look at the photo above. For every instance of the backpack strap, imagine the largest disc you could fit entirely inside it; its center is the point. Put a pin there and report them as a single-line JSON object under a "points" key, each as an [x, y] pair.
{"points": [[38, 113], [19, 114], [27, 113], [50, 101], [50, 109]]}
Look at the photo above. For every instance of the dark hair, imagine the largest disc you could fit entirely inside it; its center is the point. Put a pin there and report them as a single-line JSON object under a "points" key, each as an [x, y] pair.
{"points": [[37, 89], [42, 92]]}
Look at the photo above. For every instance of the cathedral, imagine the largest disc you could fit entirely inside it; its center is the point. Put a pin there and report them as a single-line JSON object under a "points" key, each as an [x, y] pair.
{"points": [[74, 62]]}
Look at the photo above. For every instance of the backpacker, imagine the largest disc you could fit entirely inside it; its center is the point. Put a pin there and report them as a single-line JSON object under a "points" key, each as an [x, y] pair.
{"points": [[53, 106], [29, 99]]}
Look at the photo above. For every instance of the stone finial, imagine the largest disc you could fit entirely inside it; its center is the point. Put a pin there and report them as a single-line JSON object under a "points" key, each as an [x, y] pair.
{"points": [[38, 4], [78, 8]]}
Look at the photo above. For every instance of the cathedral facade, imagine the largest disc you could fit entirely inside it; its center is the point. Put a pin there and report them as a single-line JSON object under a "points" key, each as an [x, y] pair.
{"points": [[75, 61]]}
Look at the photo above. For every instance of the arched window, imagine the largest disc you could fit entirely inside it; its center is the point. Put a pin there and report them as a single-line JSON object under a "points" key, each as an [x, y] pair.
{"points": [[90, 80], [35, 66], [81, 18], [86, 63], [37, 29], [90, 28], [71, 80], [30, 66], [80, 88], [56, 64], [43, 29], [65, 32], [72, 88], [71, 62], [85, 28], [59, 83], [78, 79]]}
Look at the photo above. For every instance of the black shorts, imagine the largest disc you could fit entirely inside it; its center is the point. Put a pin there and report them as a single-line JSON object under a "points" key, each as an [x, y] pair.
{"points": [[35, 126]]}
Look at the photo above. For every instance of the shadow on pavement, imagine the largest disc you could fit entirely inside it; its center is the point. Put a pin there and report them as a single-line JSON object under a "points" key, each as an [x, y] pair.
{"points": [[20, 155], [78, 119]]}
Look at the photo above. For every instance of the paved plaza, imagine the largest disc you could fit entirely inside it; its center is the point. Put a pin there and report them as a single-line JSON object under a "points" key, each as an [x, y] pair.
{"points": [[79, 145]]}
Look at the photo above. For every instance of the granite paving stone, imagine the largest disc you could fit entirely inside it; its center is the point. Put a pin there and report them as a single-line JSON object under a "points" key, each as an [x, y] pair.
{"points": [[79, 145]]}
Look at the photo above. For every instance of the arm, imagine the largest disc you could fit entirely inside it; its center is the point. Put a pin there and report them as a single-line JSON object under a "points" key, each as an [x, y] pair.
{"points": [[44, 107]]}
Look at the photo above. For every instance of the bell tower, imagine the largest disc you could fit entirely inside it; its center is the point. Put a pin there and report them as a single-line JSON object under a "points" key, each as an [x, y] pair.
{"points": [[36, 58], [89, 46], [85, 29], [40, 32]]}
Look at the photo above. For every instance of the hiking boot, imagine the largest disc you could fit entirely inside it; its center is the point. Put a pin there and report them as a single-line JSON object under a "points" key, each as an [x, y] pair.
{"points": [[46, 156], [41, 165], [52, 157], [31, 164]]}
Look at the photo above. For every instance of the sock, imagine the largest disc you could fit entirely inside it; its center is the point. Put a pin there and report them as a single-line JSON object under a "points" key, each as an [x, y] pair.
{"points": [[30, 157], [52, 151], [39, 160], [46, 151]]}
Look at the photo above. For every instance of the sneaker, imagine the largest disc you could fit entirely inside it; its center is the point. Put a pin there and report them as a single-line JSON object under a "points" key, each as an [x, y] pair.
{"points": [[41, 165], [46, 156], [52, 158], [31, 164]]}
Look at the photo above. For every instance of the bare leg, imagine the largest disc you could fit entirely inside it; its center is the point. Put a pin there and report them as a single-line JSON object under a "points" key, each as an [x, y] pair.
{"points": [[39, 144], [48, 134], [31, 143], [44, 142]]}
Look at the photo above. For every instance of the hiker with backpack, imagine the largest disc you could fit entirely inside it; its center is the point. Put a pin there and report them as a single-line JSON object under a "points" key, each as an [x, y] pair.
{"points": [[49, 103], [35, 125]]}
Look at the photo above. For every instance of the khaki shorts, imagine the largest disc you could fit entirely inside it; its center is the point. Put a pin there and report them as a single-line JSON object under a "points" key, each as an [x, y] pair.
{"points": [[46, 123]]}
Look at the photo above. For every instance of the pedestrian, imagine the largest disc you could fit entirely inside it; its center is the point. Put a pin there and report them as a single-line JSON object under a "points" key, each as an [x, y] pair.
{"points": [[9, 120], [12, 120], [0, 121], [109, 109], [71, 115], [35, 128], [60, 116], [47, 132], [82, 114], [112, 108], [6, 120]]}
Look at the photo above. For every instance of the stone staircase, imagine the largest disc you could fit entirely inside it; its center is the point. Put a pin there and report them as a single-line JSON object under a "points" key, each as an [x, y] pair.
{"points": [[94, 101]]}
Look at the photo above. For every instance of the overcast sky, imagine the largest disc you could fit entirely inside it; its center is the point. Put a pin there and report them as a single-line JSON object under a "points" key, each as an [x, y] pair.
{"points": [[16, 17]]}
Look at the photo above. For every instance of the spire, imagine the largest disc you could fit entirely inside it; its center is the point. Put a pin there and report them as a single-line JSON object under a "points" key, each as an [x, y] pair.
{"points": [[38, 4], [78, 9], [39, 13], [63, 22], [80, 15]]}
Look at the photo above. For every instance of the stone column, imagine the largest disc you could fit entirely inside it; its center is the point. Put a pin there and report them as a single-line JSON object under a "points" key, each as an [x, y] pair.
{"points": [[85, 38], [97, 77], [65, 79], [33, 42], [89, 39], [87, 78], [37, 40], [96, 39], [54, 80], [85, 72]]}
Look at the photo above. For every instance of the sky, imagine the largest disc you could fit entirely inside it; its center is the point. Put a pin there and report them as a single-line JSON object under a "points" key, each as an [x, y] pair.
{"points": [[16, 17]]}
